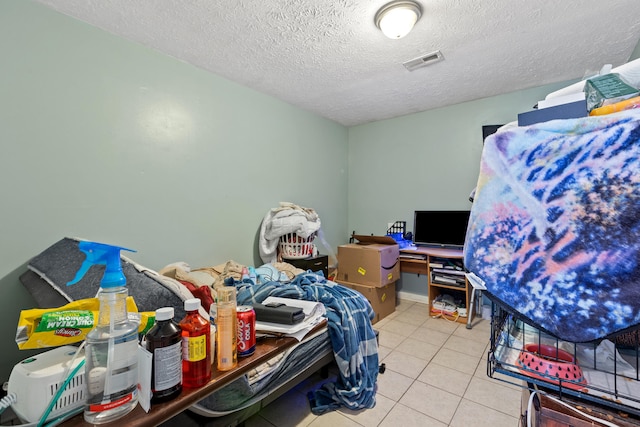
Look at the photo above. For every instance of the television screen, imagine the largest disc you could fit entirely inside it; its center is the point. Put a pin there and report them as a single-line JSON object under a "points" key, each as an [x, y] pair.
{"points": [[440, 228], [489, 130]]}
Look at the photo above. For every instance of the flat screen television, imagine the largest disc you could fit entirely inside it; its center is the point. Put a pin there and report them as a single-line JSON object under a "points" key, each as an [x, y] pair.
{"points": [[440, 228], [489, 130]]}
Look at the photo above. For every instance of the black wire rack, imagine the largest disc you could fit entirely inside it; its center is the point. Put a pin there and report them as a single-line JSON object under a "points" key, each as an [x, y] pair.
{"points": [[602, 372]]}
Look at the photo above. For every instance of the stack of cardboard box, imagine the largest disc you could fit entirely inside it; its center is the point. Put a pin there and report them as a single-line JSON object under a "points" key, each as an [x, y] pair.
{"points": [[372, 268]]}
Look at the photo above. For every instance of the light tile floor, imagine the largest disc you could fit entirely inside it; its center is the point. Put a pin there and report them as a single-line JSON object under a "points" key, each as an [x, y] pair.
{"points": [[435, 376]]}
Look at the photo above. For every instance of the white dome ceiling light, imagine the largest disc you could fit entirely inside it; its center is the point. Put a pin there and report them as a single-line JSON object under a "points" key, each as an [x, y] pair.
{"points": [[396, 19]]}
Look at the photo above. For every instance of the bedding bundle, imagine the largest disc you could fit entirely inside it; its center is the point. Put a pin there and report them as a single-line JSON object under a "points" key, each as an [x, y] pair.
{"points": [[352, 337], [554, 230]]}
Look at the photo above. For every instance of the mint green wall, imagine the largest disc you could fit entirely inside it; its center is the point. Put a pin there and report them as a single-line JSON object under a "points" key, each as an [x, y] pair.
{"points": [[110, 141], [427, 160], [636, 52]]}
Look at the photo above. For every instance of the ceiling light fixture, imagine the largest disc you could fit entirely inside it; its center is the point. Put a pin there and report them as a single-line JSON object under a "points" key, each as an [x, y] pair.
{"points": [[396, 19]]}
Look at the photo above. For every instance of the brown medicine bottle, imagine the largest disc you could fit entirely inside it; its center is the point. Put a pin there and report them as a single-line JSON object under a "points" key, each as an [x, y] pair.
{"points": [[164, 341]]}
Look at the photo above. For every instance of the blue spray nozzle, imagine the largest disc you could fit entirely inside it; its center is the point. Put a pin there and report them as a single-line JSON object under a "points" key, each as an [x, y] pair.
{"points": [[102, 254]]}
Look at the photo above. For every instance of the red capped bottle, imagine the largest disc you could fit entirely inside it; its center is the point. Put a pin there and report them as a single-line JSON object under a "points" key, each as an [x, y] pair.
{"points": [[196, 348]]}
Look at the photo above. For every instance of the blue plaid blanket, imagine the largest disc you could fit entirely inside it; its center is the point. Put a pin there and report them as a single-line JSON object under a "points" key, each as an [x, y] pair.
{"points": [[352, 337]]}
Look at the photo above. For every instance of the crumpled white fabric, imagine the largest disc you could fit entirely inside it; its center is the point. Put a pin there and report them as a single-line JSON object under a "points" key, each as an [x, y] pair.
{"points": [[286, 218], [607, 357]]}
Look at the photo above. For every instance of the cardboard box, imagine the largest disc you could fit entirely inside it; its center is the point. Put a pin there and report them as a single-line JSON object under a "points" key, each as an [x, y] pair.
{"points": [[372, 264], [382, 299], [572, 110]]}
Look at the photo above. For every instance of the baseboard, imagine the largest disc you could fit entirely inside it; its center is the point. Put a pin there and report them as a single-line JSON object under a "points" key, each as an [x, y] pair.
{"points": [[408, 296]]}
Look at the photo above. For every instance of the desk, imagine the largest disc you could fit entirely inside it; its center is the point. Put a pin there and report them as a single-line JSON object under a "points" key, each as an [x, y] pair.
{"points": [[419, 264], [160, 412], [419, 260]]}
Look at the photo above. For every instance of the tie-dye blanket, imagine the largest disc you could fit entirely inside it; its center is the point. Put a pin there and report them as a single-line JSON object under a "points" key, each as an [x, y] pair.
{"points": [[554, 230]]}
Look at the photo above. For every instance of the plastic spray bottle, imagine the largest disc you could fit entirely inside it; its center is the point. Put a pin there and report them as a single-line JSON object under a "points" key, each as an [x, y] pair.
{"points": [[111, 367]]}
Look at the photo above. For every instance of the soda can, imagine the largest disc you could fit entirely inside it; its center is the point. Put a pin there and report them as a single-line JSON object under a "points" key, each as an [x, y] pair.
{"points": [[246, 330]]}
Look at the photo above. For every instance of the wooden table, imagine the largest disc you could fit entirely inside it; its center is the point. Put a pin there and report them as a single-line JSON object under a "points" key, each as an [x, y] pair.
{"points": [[419, 265], [266, 348], [418, 261]]}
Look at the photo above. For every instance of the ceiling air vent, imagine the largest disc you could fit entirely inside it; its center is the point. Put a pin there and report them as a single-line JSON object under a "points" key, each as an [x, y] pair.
{"points": [[424, 60]]}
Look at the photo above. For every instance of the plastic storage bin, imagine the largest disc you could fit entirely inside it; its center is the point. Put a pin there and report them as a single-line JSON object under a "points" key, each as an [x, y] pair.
{"points": [[292, 246]]}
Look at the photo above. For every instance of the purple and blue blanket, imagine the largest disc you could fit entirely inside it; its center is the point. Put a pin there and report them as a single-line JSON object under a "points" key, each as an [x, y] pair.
{"points": [[554, 230]]}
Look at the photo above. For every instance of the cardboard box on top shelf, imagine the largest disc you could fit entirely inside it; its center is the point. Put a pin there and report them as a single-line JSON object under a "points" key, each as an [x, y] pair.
{"points": [[372, 261], [381, 298]]}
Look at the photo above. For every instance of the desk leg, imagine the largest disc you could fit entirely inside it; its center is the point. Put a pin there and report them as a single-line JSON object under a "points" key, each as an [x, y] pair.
{"points": [[472, 305]]}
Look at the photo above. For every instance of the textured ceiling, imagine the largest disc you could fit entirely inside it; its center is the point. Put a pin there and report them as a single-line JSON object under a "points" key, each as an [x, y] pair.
{"points": [[327, 56]]}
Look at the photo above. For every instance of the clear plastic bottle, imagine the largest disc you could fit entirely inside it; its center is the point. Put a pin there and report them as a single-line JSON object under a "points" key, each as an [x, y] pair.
{"points": [[111, 360], [213, 315], [164, 341], [111, 354], [227, 324], [196, 349]]}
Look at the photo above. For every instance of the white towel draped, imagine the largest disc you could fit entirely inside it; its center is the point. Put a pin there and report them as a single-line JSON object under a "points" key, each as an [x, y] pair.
{"points": [[286, 218]]}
